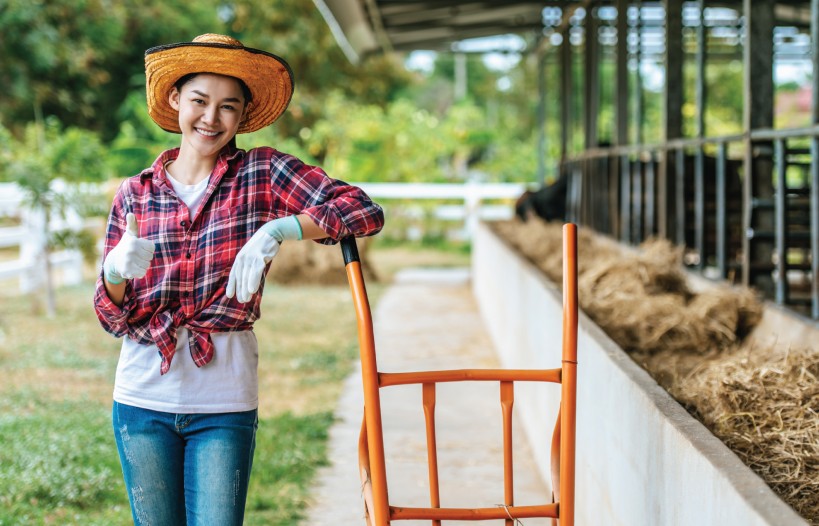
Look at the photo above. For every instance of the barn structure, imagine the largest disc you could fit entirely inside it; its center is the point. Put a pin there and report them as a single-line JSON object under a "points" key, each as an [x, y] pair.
{"points": [[744, 205]]}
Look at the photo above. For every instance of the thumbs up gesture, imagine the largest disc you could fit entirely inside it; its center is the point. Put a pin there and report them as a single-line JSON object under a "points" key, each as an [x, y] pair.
{"points": [[131, 257]]}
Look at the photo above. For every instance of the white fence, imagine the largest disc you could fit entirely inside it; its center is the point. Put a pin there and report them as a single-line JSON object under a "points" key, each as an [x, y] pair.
{"points": [[472, 194], [29, 236]]}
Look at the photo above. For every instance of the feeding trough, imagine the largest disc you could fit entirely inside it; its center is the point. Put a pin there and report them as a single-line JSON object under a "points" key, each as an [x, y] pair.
{"points": [[642, 458]]}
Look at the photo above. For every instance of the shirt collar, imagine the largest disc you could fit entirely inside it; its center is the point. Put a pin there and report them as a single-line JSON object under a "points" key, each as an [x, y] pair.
{"points": [[228, 154]]}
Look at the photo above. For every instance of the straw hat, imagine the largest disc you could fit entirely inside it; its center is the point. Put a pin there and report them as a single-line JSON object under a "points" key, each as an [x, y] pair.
{"points": [[268, 77]]}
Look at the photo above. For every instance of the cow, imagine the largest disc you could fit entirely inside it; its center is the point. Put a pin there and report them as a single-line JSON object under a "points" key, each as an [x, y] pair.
{"points": [[547, 202]]}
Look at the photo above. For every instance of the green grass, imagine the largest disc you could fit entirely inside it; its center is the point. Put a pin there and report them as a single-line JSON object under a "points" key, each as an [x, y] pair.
{"points": [[58, 464], [294, 446], [58, 459]]}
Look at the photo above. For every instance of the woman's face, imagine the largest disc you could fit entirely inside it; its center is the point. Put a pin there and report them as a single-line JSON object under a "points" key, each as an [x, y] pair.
{"points": [[211, 107]]}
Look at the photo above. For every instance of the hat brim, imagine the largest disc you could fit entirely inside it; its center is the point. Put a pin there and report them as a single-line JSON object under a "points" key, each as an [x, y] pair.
{"points": [[268, 77]]}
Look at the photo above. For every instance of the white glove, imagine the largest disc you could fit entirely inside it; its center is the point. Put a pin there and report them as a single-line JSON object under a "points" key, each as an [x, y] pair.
{"points": [[246, 273], [131, 257]]}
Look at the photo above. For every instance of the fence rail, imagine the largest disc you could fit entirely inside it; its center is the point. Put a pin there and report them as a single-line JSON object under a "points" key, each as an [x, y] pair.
{"points": [[472, 194], [29, 268]]}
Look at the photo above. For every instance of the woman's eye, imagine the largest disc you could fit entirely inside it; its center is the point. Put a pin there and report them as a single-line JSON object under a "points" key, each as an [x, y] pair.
{"points": [[228, 107]]}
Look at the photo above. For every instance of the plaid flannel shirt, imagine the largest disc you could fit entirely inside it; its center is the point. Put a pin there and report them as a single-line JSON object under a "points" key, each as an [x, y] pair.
{"points": [[185, 284]]}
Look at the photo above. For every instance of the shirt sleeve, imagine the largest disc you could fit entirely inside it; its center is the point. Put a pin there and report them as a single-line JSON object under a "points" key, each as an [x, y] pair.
{"points": [[338, 208], [113, 319]]}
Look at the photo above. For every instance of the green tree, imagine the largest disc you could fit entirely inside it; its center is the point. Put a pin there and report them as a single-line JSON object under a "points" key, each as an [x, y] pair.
{"points": [[139, 141], [366, 142], [48, 153], [723, 112], [78, 59], [295, 30]]}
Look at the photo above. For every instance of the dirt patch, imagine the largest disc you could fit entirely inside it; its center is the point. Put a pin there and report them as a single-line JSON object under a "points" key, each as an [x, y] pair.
{"points": [[761, 401], [311, 263], [59, 384]]}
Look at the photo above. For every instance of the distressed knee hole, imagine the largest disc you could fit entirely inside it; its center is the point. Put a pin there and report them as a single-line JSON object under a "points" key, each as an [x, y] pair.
{"points": [[137, 496], [237, 485], [123, 433]]}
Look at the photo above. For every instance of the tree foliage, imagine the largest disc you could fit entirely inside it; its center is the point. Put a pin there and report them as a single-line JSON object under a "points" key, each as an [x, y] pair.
{"points": [[78, 59], [81, 59], [44, 163]]}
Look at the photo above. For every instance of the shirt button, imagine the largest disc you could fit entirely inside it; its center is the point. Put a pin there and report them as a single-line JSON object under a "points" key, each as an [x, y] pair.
{"points": [[183, 223], [188, 255], [186, 294]]}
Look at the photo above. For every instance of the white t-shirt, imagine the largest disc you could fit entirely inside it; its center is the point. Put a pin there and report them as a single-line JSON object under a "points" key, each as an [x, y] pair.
{"points": [[190, 194], [228, 383]]}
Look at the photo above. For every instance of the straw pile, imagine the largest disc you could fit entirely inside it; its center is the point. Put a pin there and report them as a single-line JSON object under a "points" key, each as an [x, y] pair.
{"points": [[310, 263], [764, 407], [640, 298], [761, 402]]}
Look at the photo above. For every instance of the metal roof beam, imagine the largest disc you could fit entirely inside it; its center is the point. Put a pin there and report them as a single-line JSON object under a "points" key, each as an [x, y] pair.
{"points": [[349, 25], [463, 16]]}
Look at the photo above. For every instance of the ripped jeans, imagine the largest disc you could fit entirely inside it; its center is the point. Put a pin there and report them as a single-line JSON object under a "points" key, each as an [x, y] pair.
{"points": [[185, 469]]}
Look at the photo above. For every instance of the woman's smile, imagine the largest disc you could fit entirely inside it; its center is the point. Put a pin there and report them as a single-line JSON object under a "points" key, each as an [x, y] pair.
{"points": [[207, 133]]}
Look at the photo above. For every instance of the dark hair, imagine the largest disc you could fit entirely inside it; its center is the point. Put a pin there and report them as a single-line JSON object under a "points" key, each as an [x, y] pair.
{"points": [[245, 91], [190, 76]]}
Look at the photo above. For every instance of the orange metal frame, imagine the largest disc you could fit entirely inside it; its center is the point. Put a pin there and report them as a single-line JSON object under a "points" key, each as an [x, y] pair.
{"points": [[378, 510]]}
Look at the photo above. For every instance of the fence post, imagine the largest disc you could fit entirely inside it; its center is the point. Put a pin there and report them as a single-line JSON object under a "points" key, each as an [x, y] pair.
{"points": [[472, 207], [33, 245], [32, 249], [70, 262]]}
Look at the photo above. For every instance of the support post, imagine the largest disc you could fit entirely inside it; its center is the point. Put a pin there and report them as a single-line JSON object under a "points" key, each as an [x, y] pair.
{"points": [[699, 165], [541, 115], [591, 91], [621, 83], [639, 102], [460, 76], [672, 113], [591, 84], [620, 164], [566, 94], [758, 163], [636, 195]]}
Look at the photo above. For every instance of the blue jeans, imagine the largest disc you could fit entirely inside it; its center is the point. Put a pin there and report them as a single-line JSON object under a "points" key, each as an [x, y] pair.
{"points": [[185, 469]]}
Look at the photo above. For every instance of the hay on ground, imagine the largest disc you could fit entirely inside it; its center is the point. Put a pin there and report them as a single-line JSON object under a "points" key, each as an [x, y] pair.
{"points": [[311, 263], [761, 402]]}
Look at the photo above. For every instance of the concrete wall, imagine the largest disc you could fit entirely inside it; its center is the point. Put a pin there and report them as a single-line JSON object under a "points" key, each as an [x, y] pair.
{"points": [[641, 458]]}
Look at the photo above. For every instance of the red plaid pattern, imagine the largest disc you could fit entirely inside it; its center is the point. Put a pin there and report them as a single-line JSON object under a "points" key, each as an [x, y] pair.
{"points": [[185, 285]]}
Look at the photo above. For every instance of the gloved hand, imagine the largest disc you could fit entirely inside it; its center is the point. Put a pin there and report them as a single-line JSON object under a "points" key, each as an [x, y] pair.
{"points": [[246, 273], [131, 257]]}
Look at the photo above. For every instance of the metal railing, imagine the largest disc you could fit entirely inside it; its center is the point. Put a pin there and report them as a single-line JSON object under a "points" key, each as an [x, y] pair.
{"points": [[694, 193]]}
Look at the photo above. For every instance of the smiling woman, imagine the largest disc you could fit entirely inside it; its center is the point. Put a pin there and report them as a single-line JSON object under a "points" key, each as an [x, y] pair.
{"points": [[188, 244], [211, 109]]}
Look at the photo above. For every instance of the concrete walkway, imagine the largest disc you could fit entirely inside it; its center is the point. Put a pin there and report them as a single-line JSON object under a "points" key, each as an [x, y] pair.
{"points": [[427, 320]]}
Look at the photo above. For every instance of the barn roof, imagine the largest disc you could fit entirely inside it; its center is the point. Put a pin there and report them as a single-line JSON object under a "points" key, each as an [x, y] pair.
{"points": [[363, 27]]}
